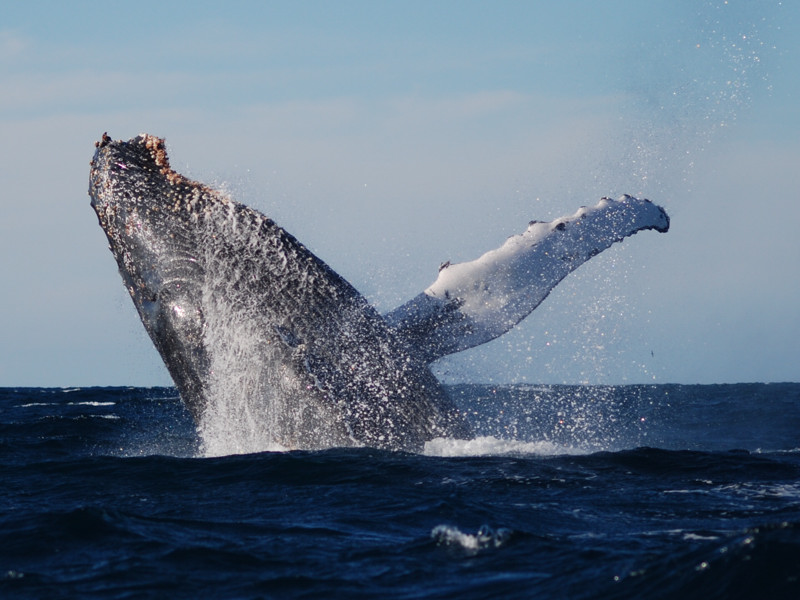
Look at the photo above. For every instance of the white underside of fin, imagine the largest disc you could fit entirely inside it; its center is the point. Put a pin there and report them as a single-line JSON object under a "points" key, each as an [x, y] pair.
{"points": [[474, 302]]}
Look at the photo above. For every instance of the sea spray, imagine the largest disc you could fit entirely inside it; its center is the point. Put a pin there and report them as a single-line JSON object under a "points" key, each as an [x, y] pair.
{"points": [[253, 405]]}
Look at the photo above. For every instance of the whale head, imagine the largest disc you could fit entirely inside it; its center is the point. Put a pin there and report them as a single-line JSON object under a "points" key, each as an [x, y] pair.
{"points": [[147, 211]]}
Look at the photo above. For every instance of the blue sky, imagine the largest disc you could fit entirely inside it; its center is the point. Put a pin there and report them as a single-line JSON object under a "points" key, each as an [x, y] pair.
{"points": [[392, 136]]}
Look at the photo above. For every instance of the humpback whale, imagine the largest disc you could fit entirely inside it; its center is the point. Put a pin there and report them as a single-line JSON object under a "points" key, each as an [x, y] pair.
{"points": [[245, 316]]}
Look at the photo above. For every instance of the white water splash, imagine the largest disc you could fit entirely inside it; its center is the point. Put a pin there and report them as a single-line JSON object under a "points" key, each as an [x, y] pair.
{"points": [[486, 537], [242, 414], [251, 407], [492, 446], [256, 401]]}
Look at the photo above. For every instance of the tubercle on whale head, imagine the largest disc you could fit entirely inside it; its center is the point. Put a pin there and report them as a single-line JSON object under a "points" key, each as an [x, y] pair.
{"points": [[104, 140], [156, 154], [136, 174]]}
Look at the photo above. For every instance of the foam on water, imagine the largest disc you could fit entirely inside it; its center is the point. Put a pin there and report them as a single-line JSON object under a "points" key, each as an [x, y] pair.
{"points": [[492, 446], [485, 538]]}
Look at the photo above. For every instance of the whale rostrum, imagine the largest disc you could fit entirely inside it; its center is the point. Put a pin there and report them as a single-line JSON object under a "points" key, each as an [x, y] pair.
{"points": [[253, 326]]}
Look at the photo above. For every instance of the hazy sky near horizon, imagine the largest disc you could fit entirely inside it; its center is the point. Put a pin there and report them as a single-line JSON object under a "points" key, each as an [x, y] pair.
{"points": [[392, 136]]}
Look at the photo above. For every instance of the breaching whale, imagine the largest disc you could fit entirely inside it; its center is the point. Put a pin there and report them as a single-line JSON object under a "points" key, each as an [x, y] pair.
{"points": [[244, 315]]}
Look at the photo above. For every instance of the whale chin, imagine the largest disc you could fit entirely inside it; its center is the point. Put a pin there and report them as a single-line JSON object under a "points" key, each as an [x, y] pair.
{"points": [[257, 330]]}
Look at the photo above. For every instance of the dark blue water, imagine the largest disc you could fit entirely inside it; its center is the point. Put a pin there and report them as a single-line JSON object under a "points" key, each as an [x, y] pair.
{"points": [[627, 492]]}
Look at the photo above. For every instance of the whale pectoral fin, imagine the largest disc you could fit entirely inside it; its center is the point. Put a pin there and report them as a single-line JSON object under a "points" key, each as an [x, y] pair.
{"points": [[472, 303]]}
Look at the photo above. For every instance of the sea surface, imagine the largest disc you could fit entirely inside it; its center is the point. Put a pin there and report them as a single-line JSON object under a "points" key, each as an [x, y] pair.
{"points": [[662, 491]]}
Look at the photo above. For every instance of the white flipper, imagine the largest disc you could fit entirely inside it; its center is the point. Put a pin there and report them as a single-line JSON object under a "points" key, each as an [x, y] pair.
{"points": [[472, 303]]}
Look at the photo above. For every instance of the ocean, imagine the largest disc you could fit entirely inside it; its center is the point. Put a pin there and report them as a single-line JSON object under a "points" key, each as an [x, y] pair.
{"points": [[662, 491]]}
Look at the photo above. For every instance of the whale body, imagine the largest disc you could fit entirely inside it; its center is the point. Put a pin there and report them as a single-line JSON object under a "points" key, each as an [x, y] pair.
{"points": [[247, 320]]}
